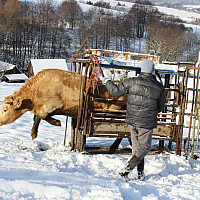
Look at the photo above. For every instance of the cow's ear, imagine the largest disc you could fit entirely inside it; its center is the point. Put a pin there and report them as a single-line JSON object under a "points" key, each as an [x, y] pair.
{"points": [[8, 100], [17, 102]]}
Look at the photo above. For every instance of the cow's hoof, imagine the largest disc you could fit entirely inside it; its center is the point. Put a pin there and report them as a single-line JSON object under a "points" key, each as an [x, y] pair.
{"points": [[34, 136]]}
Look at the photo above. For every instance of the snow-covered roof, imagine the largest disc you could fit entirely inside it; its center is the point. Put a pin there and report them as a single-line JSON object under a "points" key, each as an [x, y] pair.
{"points": [[15, 77], [41, 64], [166, 67], [136, 64], [6, 66]]}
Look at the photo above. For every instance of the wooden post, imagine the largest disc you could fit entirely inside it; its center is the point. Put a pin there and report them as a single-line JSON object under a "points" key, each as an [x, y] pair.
{"points": [[81, 112]]}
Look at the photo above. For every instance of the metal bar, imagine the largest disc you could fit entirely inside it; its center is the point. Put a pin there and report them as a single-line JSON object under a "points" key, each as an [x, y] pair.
{"points": [[197, 68], [108, 120], [188, 126], [109, 100], [107, 115], [112, 132], [127, 136], [190, 139], [82, 60], [77, 135], [80, 54], [165, 118], [190, 123], [107, 111], [194, 119], [171, 105], [180, 115], [74, 64], [198, 126], [172, 114], [172, 89], [110, 136], [71, 66], [80, 121], [80, 66], [183, 109]]}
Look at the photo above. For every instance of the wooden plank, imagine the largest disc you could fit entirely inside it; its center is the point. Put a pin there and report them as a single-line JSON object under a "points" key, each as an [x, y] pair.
{"points": [[111, 127], [167, 123], [162, 131], [109, 121], [80, 60], [110, 136], [114, 133], [171, 105], [118, 129], [165, 118], [167, 114], [109, 100], [109, 111], [108, 115]]}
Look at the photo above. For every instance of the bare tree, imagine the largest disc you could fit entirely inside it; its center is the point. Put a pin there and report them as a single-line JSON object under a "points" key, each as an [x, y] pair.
{"points": [[71, 12], [31, 31], [166, 41]]}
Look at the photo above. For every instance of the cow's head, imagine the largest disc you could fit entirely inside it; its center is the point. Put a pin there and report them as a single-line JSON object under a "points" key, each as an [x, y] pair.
{"points": [[11, 110]]}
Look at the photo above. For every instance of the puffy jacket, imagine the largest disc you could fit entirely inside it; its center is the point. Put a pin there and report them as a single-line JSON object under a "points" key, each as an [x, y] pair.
{"points": [[146, 97]]}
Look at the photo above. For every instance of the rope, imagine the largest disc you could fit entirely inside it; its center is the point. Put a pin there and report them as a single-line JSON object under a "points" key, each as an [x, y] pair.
{"points": [[92, 82]]}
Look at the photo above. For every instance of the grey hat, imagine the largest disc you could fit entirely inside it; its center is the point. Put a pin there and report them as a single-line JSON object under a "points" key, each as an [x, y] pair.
{"points": [[147, 66]]}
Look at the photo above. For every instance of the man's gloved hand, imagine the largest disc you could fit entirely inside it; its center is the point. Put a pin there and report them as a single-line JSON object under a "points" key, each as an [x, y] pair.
{"points": [[105, 80]]}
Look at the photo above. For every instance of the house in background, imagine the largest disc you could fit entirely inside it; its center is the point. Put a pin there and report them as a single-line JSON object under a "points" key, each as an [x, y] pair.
{"points": [[14, 78], [11, 73], [7, 68], [37, 65]]}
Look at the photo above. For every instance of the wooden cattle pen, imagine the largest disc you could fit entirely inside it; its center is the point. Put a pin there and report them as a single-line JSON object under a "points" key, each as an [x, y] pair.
{"points": [[110, 123]]}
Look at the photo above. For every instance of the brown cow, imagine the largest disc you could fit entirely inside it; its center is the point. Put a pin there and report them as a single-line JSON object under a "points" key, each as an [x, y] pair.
{"points": [[50, 92]]}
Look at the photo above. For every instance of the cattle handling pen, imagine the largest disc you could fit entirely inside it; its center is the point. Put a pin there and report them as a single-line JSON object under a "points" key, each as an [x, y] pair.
{"points": [[182, 100]]}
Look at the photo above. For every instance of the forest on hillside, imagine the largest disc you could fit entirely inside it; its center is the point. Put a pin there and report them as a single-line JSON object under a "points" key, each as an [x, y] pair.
{"points": [[44, 30]]}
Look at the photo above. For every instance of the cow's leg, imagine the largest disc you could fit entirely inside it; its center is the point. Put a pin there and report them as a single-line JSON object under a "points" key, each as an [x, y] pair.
{"points": [[53, 121], [115, 145], [73, 132], [34, 129]]}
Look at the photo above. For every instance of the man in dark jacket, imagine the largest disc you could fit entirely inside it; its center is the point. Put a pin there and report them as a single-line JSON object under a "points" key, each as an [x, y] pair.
{"points": [[146, 98]]}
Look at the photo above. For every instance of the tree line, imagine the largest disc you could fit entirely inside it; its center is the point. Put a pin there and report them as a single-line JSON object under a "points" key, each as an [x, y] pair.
{"points": [[47, 30]]}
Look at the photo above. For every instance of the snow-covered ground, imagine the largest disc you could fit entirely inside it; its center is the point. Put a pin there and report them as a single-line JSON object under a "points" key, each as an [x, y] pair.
{"points": [[45, 169], [182, 14]]}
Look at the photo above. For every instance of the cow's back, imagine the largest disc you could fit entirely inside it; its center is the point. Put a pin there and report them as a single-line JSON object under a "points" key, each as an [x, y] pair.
{"points": [[56, 91]]}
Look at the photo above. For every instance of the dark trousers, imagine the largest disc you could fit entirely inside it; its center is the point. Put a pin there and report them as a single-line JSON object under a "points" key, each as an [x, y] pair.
{"points": [[140, 166]]}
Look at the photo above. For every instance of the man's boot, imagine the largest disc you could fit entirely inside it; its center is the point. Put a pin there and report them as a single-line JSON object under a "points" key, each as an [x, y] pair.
{"points": [[140, 170], [132, 163]]}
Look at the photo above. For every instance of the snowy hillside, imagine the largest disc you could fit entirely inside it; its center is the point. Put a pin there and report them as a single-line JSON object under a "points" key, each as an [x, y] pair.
{"points": [[184, 15], [178, 2], [44, 169]]}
